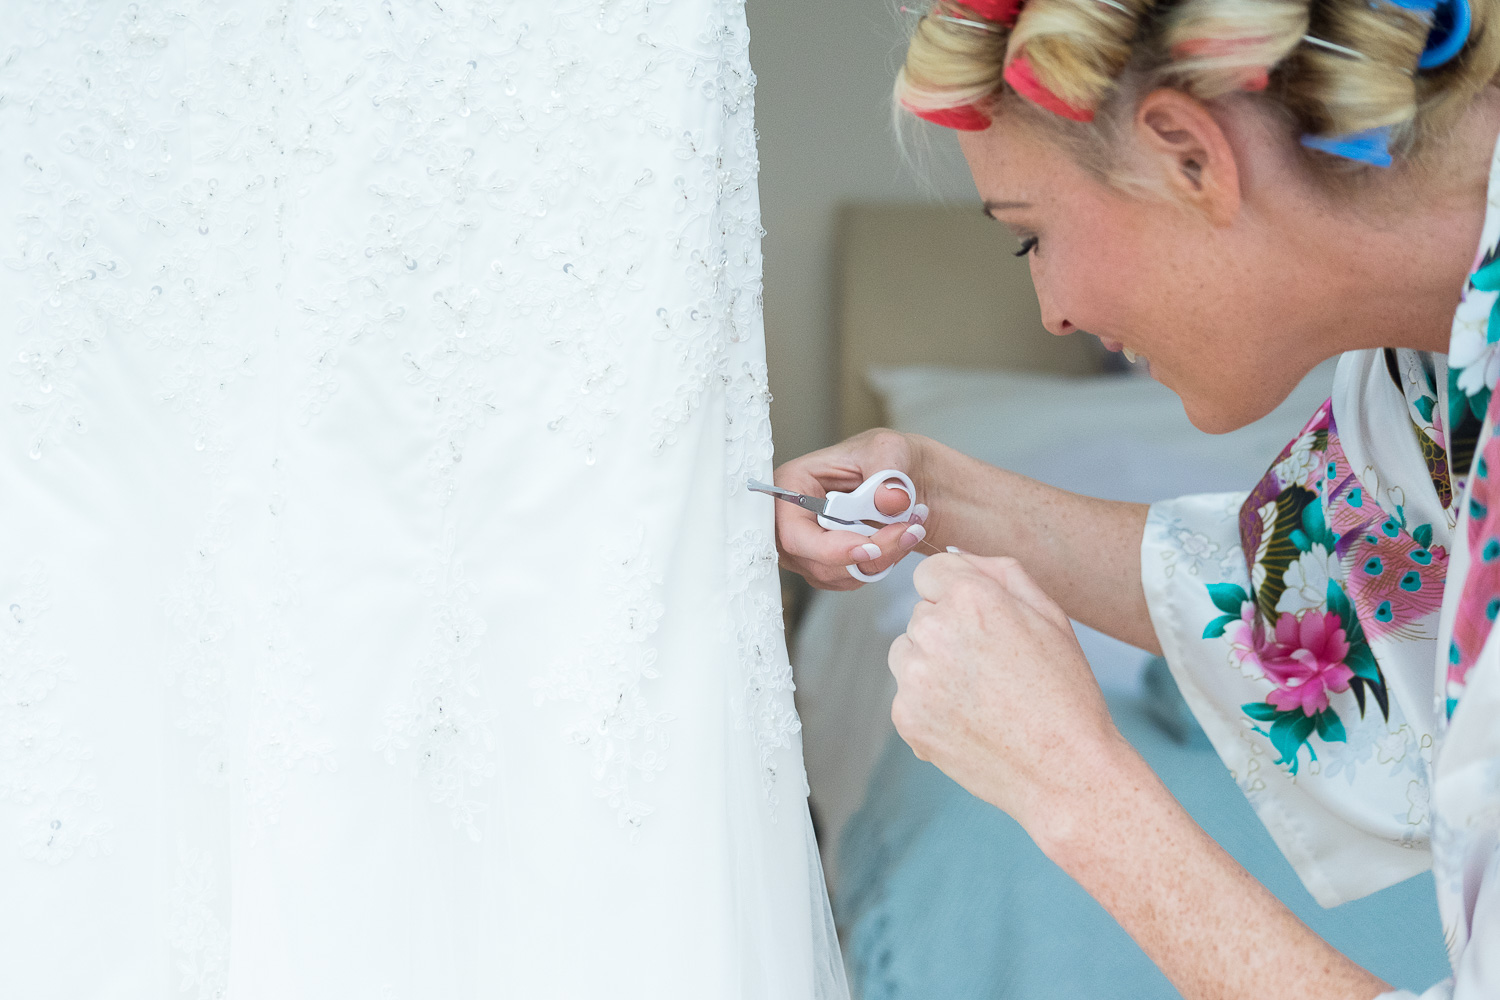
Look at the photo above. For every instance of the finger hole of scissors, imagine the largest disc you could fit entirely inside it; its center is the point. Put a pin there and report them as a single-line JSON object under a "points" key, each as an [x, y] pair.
{"points": [[891, 498]]}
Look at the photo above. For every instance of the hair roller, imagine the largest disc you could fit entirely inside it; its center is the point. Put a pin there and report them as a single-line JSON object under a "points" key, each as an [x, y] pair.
{"points": [[1073, 50], [1365, 80], [1220, 46], [953, 70], [1345, 95]]}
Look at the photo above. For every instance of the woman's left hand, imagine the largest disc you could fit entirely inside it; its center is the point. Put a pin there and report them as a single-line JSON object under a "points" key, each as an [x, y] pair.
{"points": [[993, 688]]}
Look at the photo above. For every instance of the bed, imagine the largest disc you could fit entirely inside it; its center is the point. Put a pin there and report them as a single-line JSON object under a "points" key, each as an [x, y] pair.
{"points": [[937, 894]]}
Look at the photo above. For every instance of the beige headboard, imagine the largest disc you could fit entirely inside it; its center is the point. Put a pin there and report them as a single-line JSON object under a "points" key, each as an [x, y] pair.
{"points": [[931, 284]]}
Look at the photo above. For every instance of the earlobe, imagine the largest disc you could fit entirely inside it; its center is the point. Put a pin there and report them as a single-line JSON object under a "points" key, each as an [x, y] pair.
{"points": [[1186, 148]]}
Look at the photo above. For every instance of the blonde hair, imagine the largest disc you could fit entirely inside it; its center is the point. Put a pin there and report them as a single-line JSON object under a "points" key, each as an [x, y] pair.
{"points": [[1102, 55]]}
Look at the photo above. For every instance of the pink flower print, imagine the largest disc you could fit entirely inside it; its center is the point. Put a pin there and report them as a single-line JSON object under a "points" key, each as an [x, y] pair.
{"points": [[1246, 639], [1306, 661]]}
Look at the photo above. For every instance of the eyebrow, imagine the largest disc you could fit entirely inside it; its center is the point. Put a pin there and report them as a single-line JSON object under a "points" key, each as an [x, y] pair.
{"points": [[991, 207]]}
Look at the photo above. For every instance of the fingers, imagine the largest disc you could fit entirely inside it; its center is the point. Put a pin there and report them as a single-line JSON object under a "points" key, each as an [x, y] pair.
{"points": [[899, 652], [888, 546], [938, 575], [1011, 575], [821, 555], [938, 578], [803, 538], [825, 553], [815, 478]]}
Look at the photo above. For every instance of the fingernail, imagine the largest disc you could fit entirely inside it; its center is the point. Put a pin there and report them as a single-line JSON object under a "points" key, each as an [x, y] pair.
{"points": [[956, 550], [918, 514], [867, 552], [912, 536]]}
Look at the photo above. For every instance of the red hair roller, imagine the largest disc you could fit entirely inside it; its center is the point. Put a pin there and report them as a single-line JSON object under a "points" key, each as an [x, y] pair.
{"points": [[1023, 81], [1251, 77], [1004, 11], [965, 118]]}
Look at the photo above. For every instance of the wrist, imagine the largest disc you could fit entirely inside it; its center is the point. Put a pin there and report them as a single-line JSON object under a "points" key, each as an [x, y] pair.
{"points": [[926, 468], [1072, 817]]}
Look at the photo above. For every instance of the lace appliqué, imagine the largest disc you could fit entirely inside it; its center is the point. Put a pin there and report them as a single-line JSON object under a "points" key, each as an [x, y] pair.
{"points": [[626, 737], [198, 938], [765, 700], [730, 278], [44, 765]]}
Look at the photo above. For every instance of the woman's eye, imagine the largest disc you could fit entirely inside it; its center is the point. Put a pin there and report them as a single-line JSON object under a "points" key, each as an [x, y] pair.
{"points": [[1027, 245]]}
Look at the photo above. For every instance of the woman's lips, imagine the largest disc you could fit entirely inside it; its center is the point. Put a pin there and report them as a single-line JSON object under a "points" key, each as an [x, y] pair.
{"points": [[1117, 346]]}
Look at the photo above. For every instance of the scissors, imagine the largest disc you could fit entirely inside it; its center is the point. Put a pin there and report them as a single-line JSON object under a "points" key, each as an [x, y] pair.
{"points": [[850, 511]]}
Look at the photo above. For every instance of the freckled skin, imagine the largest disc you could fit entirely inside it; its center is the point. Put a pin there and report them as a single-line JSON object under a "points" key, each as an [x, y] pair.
{"points": [[1239, 278], [993, 689]]}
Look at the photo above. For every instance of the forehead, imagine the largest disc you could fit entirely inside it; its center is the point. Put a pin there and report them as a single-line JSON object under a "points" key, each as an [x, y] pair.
{"points": [[1012, 163]]}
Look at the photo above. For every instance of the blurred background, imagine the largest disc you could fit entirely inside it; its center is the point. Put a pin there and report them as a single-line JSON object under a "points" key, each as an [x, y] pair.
{"points": [[823, 110], [890, 300]]}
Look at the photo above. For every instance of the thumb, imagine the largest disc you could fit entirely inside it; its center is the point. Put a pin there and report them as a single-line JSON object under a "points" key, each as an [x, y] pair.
{"points": [[1009, 573]]}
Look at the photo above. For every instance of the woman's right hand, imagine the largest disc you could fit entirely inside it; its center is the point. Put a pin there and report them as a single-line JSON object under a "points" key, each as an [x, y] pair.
{"points": [[822, 556]]}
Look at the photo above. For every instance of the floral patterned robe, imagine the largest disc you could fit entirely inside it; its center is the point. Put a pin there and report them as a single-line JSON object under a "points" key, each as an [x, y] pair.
{"points": [[1331, 629]]}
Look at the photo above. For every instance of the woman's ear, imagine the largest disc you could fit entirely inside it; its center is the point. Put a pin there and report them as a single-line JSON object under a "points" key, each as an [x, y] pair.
{"points": [[1183, 145]]}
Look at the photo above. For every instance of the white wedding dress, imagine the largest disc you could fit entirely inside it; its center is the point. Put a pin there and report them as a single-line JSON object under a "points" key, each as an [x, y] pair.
{"points": [[382, 611]]}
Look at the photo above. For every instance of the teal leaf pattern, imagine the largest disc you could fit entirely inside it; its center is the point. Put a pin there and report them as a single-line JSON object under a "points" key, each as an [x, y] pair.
{"points": [[1319, 516], [1228, 597], [1216, 628]]}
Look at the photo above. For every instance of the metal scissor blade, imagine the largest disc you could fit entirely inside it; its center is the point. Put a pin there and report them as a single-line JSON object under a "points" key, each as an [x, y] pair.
{"points": [[815, 504]]}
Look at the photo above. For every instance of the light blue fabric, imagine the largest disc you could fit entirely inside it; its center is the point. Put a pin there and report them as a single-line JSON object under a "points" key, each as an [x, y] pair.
{"points": [[942, 895]]}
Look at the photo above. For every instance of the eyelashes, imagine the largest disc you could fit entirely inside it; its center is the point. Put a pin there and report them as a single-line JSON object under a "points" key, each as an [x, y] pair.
{"points": [[1027, 245]]}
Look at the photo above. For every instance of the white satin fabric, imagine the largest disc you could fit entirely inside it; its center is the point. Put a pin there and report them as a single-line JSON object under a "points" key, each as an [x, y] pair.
{"points": [[1394, 792], [382, 613]]}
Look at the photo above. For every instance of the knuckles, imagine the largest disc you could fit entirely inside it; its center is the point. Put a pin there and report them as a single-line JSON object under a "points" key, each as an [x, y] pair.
{"points": [[974, 593], [906, 721], [886, 440], [922, 627]]}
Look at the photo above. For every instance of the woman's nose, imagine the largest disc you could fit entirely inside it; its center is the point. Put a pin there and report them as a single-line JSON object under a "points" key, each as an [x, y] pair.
{"points": [[1053, 319]]}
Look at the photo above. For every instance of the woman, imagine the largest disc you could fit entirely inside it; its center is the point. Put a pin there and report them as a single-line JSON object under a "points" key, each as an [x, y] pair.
{"points": [[1234, 190]]}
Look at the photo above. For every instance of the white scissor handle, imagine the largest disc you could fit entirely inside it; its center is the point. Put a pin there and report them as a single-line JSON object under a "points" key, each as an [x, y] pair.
{"points": [[858, 505], [864, 577]]}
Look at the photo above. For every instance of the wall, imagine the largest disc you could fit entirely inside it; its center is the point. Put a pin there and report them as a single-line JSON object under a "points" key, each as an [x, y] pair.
{"points": [[825, 69]]}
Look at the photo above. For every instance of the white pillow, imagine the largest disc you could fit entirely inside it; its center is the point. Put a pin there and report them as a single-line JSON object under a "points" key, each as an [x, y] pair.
{"points": [[1111, 436]]}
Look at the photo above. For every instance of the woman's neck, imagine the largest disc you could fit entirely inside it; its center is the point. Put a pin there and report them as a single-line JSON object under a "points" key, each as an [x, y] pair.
{"points": [[1398, 260]]}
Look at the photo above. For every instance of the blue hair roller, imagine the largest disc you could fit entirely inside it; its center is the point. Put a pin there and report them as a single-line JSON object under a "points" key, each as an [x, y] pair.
{"points": [[1371, 146], [1452, 21]]}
